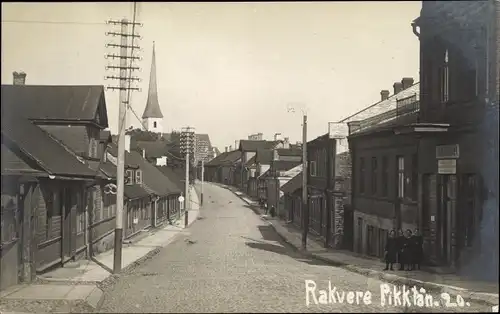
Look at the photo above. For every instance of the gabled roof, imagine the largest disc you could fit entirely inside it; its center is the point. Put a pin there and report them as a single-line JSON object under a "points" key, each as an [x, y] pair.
{"points": [[76, 103], [253, 146], [13, 163], [284, 165], [388, 125], [154, 149], [231, 157], [264, 156], [129, 162], [384, 105], [135, 191], [174, 176], [289, 152], [153, 178], [108, 169], [50, 154], [293, 185], [217, 160], [251, 161]]}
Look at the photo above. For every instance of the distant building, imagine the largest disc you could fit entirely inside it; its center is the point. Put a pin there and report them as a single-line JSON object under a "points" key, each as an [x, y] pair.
{"points": [[152, 118], [255, 137]]}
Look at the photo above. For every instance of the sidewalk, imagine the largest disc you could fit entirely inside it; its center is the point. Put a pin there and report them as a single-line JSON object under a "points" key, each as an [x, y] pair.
{"points": [[77, 288], [430, 279]]}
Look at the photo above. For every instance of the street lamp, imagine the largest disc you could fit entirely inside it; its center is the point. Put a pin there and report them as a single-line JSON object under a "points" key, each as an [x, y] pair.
{"points": [[305, 203]]}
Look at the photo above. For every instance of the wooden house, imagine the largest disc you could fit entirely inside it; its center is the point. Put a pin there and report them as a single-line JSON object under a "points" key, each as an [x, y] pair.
{"points": [[43, 200]]}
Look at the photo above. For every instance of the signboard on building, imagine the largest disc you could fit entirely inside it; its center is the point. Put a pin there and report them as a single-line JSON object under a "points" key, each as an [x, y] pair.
{"points": [[338, 130], [447, 151], [447, 166]]}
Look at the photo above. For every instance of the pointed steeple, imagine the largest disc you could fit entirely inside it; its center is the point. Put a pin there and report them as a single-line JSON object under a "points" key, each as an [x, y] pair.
{"points": [[152, 109]]}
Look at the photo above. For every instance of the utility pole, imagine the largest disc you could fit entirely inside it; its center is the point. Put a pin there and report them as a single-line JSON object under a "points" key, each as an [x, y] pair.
{"points": [[202, 178], [124, 87], [187, 141], [305, 203]]}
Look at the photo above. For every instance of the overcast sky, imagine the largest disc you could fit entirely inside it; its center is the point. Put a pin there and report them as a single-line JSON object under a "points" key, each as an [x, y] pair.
{"points": [[228, 69]]}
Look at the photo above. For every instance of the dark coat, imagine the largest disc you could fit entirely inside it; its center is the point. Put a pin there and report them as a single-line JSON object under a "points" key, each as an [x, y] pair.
{"points": [[391, 250], [417, 248]]}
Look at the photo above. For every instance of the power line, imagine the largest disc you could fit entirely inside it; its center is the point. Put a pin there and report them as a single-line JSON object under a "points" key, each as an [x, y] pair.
{"points": [[52, 22]]}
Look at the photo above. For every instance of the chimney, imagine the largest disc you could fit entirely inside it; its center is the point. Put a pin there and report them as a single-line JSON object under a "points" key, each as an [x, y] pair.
{"points": [[384, 94], [19, 78], [226, 149], [144, 153], [230, 148], [259, 136], [407, 82], [286, 143], [127, 143], [398, 86]]}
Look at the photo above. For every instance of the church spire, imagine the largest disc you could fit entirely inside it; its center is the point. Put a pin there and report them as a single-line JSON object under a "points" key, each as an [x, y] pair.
{"points": [[152, 109]]}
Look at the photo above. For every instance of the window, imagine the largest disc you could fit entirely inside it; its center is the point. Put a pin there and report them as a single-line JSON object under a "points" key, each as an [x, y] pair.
{"points": [[445, 83], [382, 240], [374, 175], [80, 214], [97, 204], [414, 177], [313, 170], [138, 177], [370, 243], [9, 219], [362, 175], [401, 176], [385, 175], [470, 217], [154, 125], [129, 177]]}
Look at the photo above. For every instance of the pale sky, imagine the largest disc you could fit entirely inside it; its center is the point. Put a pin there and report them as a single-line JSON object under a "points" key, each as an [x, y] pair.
{"points": [[227, 69]]}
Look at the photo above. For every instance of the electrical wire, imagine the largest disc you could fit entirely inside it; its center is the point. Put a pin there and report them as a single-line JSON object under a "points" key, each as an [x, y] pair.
{"points": [[52, 22]]}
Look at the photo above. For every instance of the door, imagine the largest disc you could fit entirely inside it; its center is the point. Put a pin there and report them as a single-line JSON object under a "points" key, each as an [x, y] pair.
{"points": [[360, 235], [9, 236], [446, 207], [348, 224], [65, 197]]}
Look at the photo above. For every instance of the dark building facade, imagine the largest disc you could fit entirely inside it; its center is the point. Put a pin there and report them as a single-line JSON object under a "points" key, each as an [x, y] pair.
{"points": [[459, 51], [320, 185]]}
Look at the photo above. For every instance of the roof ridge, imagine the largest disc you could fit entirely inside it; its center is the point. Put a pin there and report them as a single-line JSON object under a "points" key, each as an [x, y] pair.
{"points": [[377, 103]]}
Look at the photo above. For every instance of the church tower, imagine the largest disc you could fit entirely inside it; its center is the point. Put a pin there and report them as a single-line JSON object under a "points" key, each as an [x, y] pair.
{"points": [[152, 118]]}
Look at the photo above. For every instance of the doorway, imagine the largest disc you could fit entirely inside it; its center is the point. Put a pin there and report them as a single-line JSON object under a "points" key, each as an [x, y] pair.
{"points": [[447, 185], [65, 197], [360, 235]]}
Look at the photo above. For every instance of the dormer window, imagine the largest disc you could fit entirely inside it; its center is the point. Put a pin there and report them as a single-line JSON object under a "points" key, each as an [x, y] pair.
{"points": [[138, 177], [129, 177]]}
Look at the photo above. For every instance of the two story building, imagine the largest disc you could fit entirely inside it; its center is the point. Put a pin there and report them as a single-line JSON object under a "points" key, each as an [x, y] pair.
{"points": [[379, 201], [459, 72], [248, 149], [74, 118]]}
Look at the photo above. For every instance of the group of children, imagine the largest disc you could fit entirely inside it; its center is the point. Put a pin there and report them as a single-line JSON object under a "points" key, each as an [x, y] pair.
{"points": [[405, 249]]}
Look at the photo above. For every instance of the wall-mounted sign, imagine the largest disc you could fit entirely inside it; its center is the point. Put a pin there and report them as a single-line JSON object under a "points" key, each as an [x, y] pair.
{"points": [[447, 151], [447, 166], [338, 130]]}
